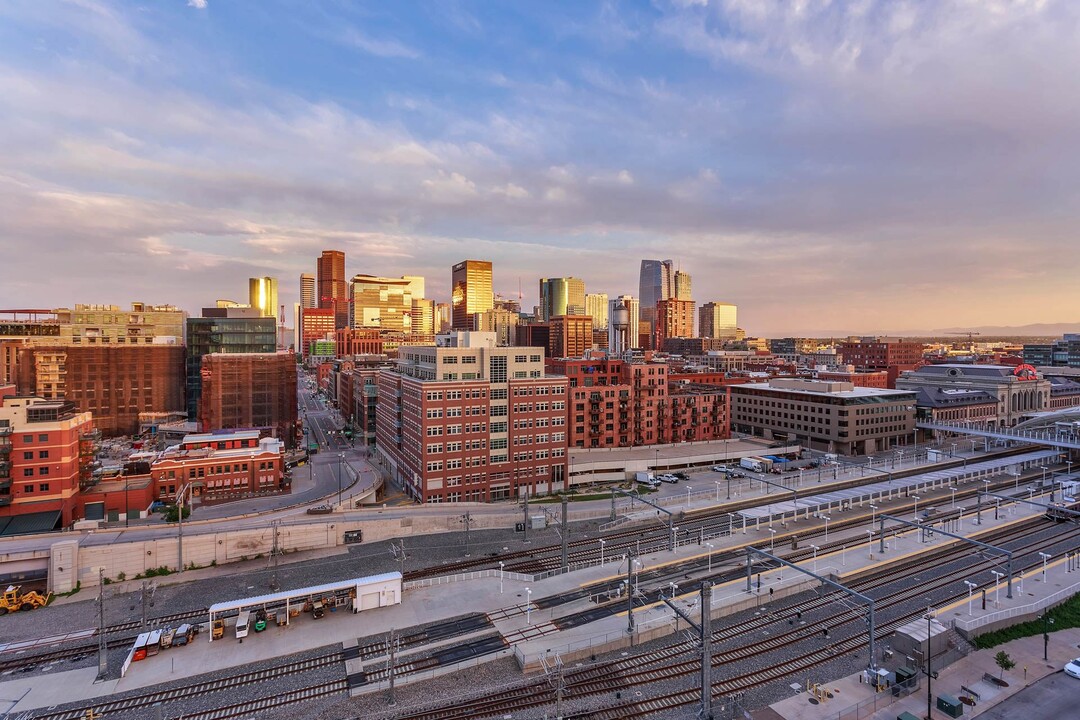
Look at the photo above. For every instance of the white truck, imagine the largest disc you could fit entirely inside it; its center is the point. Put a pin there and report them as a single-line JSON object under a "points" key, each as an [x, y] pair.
{"points": [[757, 464], [646, 478]]}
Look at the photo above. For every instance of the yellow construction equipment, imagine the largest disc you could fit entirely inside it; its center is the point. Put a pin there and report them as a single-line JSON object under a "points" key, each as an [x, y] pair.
{"points": [[13, 599]]}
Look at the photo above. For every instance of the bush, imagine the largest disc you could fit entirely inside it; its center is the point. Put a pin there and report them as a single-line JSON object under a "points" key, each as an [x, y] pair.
{"points": [[157, 572], [1066, 615], [170, 513]]}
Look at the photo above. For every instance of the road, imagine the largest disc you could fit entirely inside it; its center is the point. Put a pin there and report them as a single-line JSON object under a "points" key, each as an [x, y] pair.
{"points": [[1055, 696]]}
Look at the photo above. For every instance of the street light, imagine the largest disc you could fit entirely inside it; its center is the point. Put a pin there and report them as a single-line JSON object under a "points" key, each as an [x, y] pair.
{"points": [[674, 587], [870, 543], [997, 587], [602, 544], [772, 538], [873, 513], [916, 507], [971, 587], [952, 489], [1046, 632], [341, 460], [815, 548], [1044, 557], [688, 489], [717, 483], [528, 606], [826, 518], [501, 572], [710, 546]]}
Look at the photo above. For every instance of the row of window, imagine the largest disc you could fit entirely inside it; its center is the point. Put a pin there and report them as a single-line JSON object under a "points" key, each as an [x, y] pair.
{"points": [[29, 439], [29, 472], [29, 455], [474, 394], [541, 390]]}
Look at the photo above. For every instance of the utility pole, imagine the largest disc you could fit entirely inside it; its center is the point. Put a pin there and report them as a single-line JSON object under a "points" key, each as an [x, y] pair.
{"points": [[398, 551], [526, 539], [103, 645], [630, 558], [613, 505], [704, 630], [275, 551], [391, 649], [467, 520], [565, 532], [148, 590]]}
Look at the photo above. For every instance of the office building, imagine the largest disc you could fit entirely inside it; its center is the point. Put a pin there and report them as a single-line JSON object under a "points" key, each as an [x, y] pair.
{"points": [[46, 457], [561, 296], [596, 307], [570, 336], [444, 317], [385, 303], [623, 321], [423, 318], [893, 355], [534, 334], [221, 466], [357, 341], [1059, 353], [793, 347], [502, 322], [829, 416], [674, 319], [309, 297], [317, 324], [332, 287], [223, 330], [682, 285], [656, 283], [470, 283], [470, 421], [718, 320], [122, 386], [249, 390], [262, 295]]}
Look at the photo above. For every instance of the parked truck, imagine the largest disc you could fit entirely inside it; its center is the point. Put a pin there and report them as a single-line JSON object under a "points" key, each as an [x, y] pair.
{"points": [[757, 464], [646, 478]]}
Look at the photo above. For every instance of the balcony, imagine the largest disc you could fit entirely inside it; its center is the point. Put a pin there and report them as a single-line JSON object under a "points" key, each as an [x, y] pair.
{"points": [[5, 469], [5, 500], [6, 430]]}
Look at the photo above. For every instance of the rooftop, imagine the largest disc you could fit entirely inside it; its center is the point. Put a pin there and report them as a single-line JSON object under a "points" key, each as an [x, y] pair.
{"points": [[819, 387]]}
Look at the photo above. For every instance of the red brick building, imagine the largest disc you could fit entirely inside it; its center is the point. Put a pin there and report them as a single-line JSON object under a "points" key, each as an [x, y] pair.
{"points": [[46, 456], [870, 379], [892, 355], [472, 422], [315, 324], [674, 319], [250, 390], [357, 341], [571, 336], [221, 466], [116, 383]]}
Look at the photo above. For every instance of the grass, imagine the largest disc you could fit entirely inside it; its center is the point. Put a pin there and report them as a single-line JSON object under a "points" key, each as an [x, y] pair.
{"points": [[1066, 615], [573, 496]]}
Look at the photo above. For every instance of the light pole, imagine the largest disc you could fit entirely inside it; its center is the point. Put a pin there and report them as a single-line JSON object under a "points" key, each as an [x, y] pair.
{"points": [[873, 514], [1044, 469], [952, 489], [870, 543], [1046, 632], [688, 490], [341, 460], [997, 586], [528, 606], [602, 544], [971, 587], [1044, 557], [815, 548], [916, 507], [772, 538], [501, 566], [674, 587], [717, 483], [710, 546], [826, 518]]}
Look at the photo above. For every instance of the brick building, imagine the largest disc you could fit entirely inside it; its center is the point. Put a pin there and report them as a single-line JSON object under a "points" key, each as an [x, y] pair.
{"points": [[470, 421], [571, 335], [892, 355], [872, 379], [356, 341], [250, 390], [46, 456], [315, 325], [674, 319], [221, 466], [116, 383]]}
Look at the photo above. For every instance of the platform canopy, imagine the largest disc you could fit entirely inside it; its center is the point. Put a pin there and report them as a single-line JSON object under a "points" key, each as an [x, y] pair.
{"points": [[288, 596]]}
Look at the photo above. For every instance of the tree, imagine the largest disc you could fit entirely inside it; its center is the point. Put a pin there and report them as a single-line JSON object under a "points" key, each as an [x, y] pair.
{"points": [[1003, 661], [171, 512]]}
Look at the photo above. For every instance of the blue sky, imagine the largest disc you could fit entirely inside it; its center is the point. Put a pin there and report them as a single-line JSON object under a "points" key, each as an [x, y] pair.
{"points": [[831, 167]]}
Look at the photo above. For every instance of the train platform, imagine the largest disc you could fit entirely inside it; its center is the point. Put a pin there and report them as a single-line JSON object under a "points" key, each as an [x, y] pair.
{"points": [[522, 612]]}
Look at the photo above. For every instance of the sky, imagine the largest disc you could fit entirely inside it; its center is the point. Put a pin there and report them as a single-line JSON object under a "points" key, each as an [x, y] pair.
{"points": [[830, 167]]}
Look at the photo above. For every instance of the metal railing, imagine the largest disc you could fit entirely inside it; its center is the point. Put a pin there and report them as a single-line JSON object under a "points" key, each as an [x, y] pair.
{"points": [[971, 623], [869, 706]]}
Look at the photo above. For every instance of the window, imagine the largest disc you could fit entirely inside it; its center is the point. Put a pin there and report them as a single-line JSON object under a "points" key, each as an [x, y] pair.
{"points": [[520, 358], [28, 489], [497, 369], [28, 455], [42, 454], [28, 438], [28, 472], [498, 394], [44, 470], [43, 438], [43, 487], [534, 358]]}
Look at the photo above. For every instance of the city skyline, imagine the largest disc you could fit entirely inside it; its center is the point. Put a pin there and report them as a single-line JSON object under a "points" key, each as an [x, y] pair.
{"points": [[864, 163]]}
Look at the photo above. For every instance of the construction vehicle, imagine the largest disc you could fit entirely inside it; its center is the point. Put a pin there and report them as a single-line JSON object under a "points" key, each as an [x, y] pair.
{"points": [[218, 629], [13, 600]]}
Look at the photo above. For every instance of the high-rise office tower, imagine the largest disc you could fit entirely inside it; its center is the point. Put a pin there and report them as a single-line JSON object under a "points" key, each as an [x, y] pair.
{"points": [[262, 294], [385, 303], [470, 291], [657, 282], [333, 289], [443, 317], [674, 319], [717, 320], [623, 319], [596, 307], [561, 296], [682, 285], [423, 317], [308, 298]]}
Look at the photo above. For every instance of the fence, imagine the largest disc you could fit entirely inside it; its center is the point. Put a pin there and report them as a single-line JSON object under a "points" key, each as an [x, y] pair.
{"points": [[869, 706], [968, 624], [460, 577]]}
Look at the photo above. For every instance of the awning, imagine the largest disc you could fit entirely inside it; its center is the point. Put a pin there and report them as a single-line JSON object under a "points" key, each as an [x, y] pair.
{"points": [[37, 522]]}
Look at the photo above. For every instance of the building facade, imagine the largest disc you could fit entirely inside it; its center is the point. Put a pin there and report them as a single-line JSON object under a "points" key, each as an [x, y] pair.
{"points": [[470, 421], [656, 283], [718, 320], [1060, 353], [46, 457], [596, 307], [309, 297], [385, 303], [333, 291], [831, 416], [674, 319], [682, 286], [262, 295], [221, 466], [1019, 390], [571, 335], [223, 330], [501, 321], [624, 318], [471, 293], [561, 296], [250, 390], [315, 324], [893, 355]]}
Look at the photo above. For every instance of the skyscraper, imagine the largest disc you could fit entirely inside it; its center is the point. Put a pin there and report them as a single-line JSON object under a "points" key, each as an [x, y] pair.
{"points": [[470, 291], [333, 290], [717, 320], [385, 303], [228, 330], [262, 294], [561, 296], [657, 282], [596, 307], [674, 319], [682, 285], [308, 298]]}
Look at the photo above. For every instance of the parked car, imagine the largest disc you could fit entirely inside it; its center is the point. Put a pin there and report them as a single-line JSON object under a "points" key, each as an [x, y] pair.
{"points": [[1073, 668], [737, 474], [681, 476], [320, 510], [668, 479], [721, 469]]}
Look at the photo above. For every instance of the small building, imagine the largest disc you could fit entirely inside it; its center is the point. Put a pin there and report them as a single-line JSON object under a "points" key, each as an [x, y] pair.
{"points": [[225, 465]]}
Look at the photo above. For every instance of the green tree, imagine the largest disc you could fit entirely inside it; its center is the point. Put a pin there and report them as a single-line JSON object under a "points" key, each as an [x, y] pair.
{"points": [[170, 513], [1003, 661]]}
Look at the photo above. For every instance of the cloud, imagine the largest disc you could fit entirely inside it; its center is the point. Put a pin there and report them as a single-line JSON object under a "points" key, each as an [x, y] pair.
{"points": [[380, 47], [200, 4]]}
